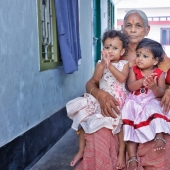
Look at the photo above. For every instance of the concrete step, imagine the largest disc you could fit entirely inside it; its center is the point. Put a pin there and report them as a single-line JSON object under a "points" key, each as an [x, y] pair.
{"points": [[60, 155]]}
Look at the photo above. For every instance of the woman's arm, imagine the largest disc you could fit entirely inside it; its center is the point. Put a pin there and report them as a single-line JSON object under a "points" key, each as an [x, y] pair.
{"points": [[134, 84], [165, 101]]}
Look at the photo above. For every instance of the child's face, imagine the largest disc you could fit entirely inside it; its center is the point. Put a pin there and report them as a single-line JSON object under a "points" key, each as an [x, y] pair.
{"points": [[145, 59], [113, 46]]}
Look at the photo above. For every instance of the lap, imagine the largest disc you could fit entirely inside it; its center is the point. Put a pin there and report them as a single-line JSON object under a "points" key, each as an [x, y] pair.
{"points": [[100, 152], [152, 160]]}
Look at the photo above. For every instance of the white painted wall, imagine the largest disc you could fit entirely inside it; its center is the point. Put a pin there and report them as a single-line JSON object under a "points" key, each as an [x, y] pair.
{"points": [[149, 12], [28, 96], [141, 3]]}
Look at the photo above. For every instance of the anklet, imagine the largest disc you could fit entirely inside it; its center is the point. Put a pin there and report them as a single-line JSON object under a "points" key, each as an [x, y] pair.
{"points": [[133, 158], [158, 138]]}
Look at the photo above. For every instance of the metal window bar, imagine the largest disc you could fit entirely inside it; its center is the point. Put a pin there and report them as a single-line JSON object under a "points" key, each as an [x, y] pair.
{"points": [[47, 31]]}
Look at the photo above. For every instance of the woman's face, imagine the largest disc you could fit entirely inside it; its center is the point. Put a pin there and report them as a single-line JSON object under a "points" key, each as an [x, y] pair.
{"points": [[135, 28]]}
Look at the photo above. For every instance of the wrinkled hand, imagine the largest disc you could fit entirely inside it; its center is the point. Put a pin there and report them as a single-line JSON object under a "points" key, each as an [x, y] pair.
{"points": [[107, 103], [150, 81], [165, 101]]}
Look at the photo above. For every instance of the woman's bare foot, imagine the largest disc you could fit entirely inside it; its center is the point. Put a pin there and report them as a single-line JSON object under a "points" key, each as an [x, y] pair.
{"points": [[159, 144], [78, 156], [121, 161], [133, 163]]}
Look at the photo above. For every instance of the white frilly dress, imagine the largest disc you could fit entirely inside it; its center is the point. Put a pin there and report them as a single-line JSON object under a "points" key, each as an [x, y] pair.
{"points": [[85, 111], [142, 115]]}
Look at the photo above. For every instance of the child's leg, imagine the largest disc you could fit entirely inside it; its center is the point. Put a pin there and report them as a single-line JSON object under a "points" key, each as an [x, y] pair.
{"points": [[159, 142], [121, 162], [132, 152], [82, 142]]}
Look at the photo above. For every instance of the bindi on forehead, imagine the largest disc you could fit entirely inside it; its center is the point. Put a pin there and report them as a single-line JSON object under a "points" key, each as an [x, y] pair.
{"points": [[133, 21], [143, 52]]}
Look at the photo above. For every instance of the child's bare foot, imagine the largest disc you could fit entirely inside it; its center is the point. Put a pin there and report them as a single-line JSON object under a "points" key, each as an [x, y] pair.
{"points": [[159, 144], [121, 161], [133, 163], [78, 156]]}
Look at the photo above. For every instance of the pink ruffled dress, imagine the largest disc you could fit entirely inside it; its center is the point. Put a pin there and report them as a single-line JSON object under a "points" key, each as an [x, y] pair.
{"points": [[142, 115], [85, 111]]}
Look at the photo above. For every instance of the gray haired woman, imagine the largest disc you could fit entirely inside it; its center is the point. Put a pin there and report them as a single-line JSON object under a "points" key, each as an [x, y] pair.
{"points": [[102, 147]]}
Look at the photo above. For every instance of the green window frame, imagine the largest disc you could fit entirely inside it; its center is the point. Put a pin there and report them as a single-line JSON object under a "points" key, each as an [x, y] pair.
{"points": [[49, 54]]}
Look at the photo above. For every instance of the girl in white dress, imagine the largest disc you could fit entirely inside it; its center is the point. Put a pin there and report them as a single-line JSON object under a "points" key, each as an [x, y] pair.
{"points": [[111, 73]]}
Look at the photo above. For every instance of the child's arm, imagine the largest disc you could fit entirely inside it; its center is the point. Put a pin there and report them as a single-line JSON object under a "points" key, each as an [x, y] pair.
{"points": [[100, 67], [134, 84], [98, 71], [121, 76], [157, 88]]}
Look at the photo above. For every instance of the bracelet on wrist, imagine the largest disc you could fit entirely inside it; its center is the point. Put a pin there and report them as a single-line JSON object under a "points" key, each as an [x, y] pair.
{"points": [[92, 90]]}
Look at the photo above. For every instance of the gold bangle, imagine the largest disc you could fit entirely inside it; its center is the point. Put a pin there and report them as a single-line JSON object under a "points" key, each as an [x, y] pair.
{"points": [[78, 132], [92, 90]]}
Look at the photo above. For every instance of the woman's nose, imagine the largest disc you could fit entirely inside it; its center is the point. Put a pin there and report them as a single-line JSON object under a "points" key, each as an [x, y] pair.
{"points": [[133, 28]]}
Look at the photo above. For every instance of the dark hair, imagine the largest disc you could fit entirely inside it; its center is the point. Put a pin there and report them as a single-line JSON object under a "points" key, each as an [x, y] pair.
{"points": [[154, 47], [114, 33]]}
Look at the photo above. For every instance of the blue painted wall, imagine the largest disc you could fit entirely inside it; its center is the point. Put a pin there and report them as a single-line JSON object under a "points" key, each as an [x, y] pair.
{"points": [[27, 96]]}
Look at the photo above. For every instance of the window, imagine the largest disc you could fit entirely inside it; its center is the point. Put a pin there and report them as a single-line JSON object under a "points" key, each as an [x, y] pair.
{"points": [[65, 35], [165, 36], [49, 57]]}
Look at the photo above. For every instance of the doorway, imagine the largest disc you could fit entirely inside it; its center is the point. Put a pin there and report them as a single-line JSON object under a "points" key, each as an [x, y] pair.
{"points": [[96, 31]]}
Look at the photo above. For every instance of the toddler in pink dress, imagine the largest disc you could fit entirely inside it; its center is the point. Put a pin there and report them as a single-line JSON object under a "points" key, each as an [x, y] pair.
{"points": [[143, 118]]}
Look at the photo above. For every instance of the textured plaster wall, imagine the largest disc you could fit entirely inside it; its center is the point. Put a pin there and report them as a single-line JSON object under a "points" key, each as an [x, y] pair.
{"points": [[28, 96]]}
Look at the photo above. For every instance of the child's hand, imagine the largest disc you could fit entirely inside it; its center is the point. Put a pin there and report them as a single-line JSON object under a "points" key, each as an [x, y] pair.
{"points": [[105, 58], [150, 82]]}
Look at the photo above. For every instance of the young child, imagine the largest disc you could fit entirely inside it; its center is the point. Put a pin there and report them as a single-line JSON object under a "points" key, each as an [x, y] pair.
{"points": [[111, 73], [143, 118]]}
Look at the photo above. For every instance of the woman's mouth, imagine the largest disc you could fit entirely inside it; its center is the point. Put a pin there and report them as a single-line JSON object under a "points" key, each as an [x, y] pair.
{"points": [[133, 37]]}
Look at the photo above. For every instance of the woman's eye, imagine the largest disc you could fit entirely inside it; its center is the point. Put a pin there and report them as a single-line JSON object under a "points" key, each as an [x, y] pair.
{"points": [[115, 48], [145, 56], [128, 25], [138, 25]]}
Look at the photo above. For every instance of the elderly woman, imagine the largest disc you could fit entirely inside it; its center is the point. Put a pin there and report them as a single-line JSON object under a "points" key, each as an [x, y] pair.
{"points": [[102, 147]]}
